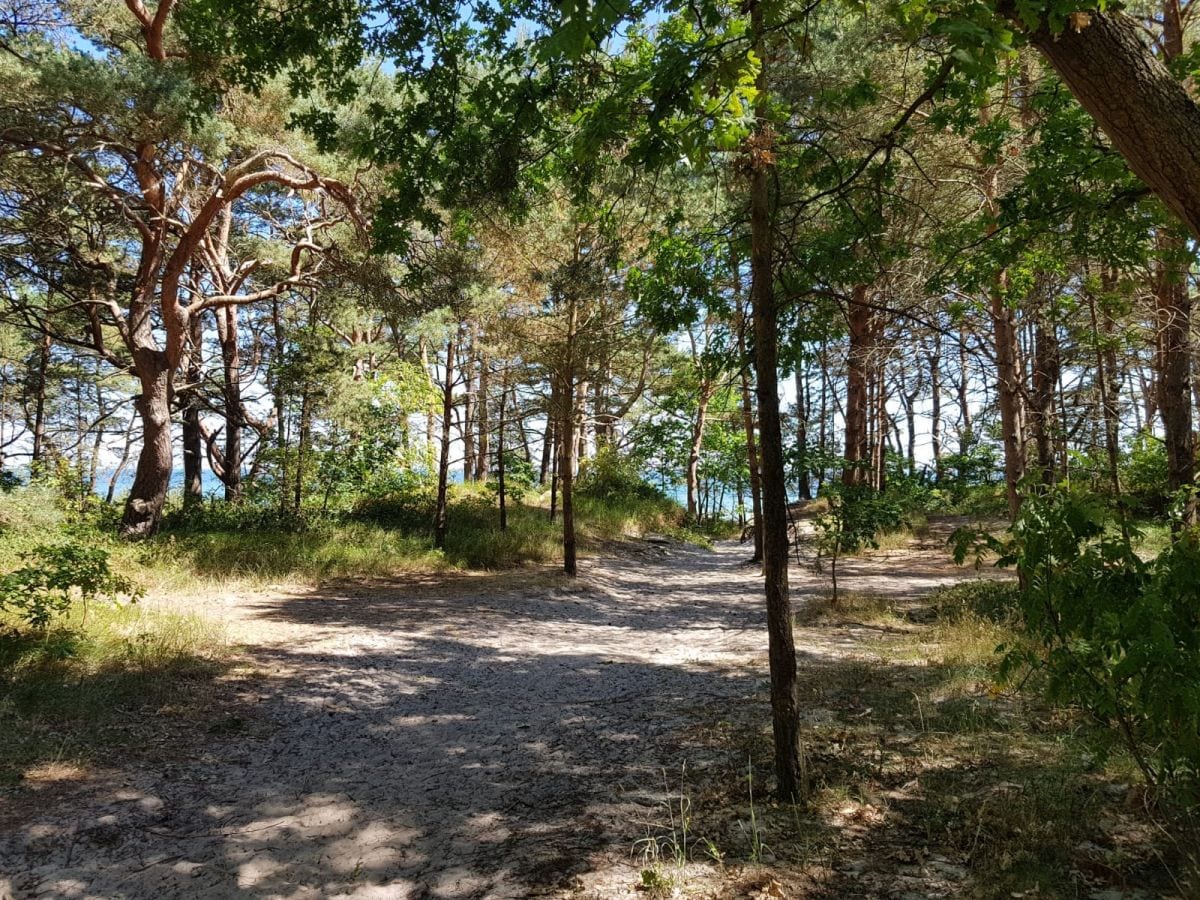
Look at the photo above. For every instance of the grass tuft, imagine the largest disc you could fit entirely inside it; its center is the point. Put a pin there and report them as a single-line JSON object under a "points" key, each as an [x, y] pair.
{"points": [[89, 683]]}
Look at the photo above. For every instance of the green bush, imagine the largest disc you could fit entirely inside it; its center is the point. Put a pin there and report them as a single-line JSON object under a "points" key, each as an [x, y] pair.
{"points": [[613, 477], [1113, 634], [995, 601], [1144, 474], [856, 516], [57, 576]]}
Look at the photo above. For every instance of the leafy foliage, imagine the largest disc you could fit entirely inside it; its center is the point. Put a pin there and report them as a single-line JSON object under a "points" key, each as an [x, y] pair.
{"points": [[57, 575], [611, 476], [1113, 634], [857, 514]]}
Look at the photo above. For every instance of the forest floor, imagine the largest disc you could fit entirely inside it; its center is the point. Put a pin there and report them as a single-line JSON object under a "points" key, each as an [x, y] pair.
{"points": [[514, 735]]}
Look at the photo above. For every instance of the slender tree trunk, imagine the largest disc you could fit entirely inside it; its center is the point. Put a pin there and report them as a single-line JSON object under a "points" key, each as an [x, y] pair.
{"points": [[500, 486], [548, 441], [122, 463], [1008, 355], [935, 410], [566, 443], [467, 427], [693, 467], [439, 514], [781, 647], [526, 450], [481, 415], [231, 367], [1173, 362], [1109, 384], [39, 404], [281, 435], [803, 403], [553, 451], [193, 438], [963, 386], [748, 421], [423, 348], [1047, 364], [303, 441], [857, 451]]}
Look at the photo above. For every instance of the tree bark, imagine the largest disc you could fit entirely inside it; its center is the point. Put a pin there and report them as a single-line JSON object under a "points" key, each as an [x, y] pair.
{"points": [[781, 647], [935, 410], [857, 452], [693, 467], [143, 509], [500, 486], [439, 513], [39, 406], [1173, 364], [566, 440], [1144, 110], [193, 438], [481, 415], [748, 418], [1047, 367], [803, 402]]}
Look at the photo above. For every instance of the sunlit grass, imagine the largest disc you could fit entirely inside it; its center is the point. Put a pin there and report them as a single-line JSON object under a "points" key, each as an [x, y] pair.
{"points": [[91, 681]]}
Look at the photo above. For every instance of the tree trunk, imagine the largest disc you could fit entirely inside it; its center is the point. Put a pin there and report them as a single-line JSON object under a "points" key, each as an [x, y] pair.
{"points": [[1108, 385], [500, 488], [122, 463], [693, 466], [193, 439], [481, 416], [1047, 366], [152, 479], [566, 441], [547, 443], [1173, 364], [1008, 367], [467, 427], [857, 451], [39, 406], [439, 513], [935, 411], [781, 648], [1144, 110], [231, 370], [804, 483], [965, 436], [748, 419]]}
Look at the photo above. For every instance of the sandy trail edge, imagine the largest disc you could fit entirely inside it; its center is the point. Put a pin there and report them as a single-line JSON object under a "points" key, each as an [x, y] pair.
{"points": [[485, 736]]}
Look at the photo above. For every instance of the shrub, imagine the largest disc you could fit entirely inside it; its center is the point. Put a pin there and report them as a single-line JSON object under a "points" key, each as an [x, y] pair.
{"points": [[610, 476], [995, 601], [1144, 474], [56, 576], [1113, 634], [856, 516]]}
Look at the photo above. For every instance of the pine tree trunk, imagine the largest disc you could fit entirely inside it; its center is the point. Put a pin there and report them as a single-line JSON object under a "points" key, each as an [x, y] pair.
{"points": [[152, 479], [935, 410], [443, 484], [567, 438], [781, 648], [697, 441], [39, 404], [857, 451]]}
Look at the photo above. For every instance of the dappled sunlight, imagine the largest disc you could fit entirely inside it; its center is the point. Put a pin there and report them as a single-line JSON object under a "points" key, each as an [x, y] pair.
{"points": [[473, 736]]}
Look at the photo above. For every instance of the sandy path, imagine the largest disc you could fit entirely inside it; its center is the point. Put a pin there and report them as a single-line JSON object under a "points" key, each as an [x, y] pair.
{"points": [[478, 736]]}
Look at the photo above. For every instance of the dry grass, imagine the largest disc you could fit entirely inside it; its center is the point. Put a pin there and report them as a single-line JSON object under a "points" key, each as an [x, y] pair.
{"points": [[95, 682]]}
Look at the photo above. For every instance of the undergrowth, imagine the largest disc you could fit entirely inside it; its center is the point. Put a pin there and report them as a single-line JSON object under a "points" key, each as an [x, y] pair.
{"points": [[98, 680], [930, 777]]}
